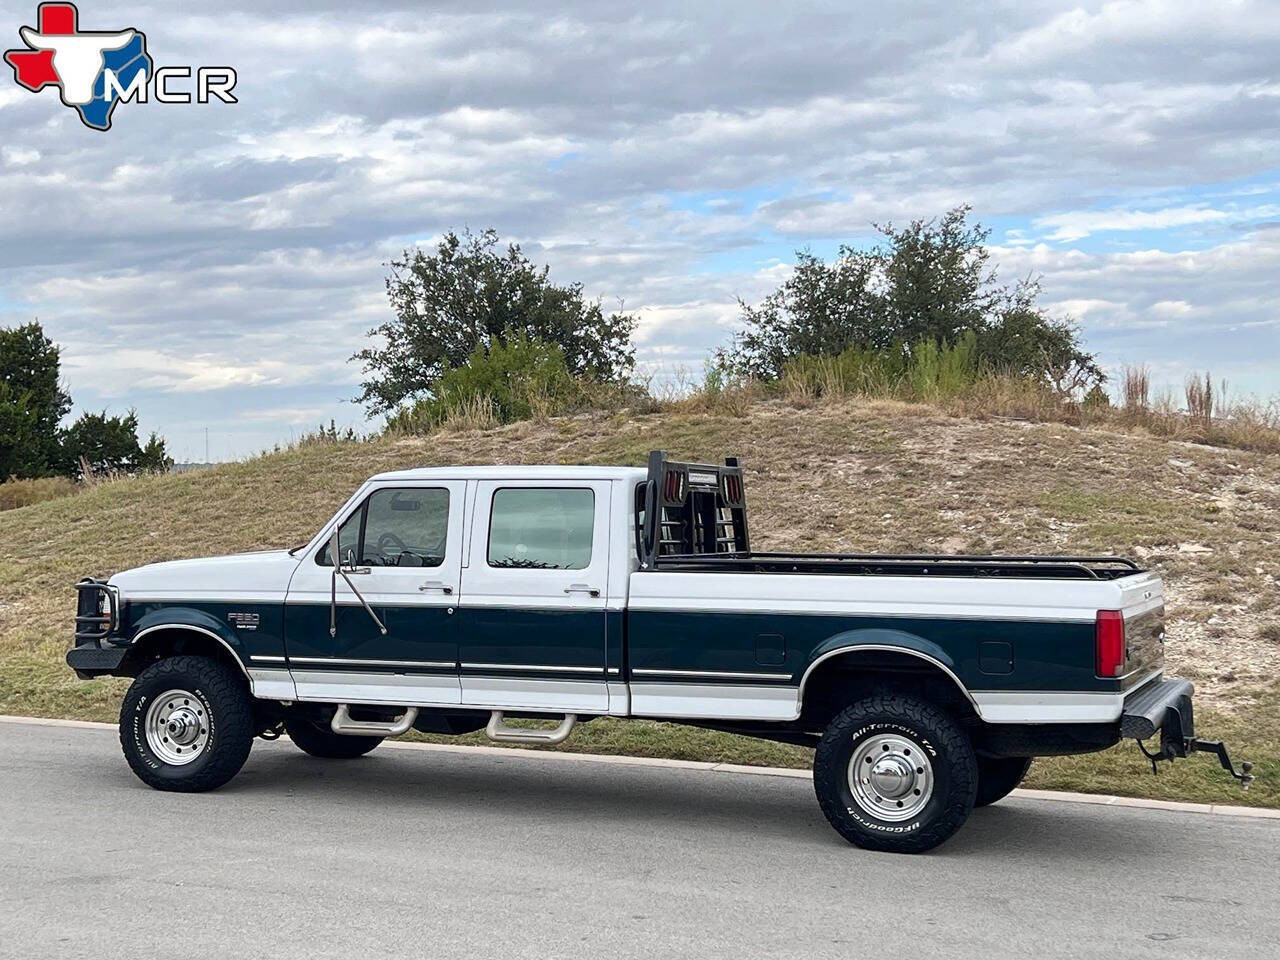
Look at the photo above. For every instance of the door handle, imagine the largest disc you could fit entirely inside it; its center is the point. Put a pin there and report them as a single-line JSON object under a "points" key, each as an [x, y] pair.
{"points": [[582, 588], [436, 585]]}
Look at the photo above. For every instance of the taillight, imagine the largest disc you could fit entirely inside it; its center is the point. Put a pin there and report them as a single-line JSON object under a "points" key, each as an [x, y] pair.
{"points": [[1109, 640]]}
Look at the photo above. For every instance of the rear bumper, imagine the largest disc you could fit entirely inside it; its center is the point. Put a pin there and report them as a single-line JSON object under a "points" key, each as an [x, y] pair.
{"points": [[1160, 707], [1164, 707]]}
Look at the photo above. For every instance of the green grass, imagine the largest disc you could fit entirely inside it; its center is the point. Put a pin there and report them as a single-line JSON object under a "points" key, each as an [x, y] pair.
{"points": [[822, 476]]}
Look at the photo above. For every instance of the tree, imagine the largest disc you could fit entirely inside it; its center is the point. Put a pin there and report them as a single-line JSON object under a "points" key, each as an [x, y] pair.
{"points": [[928, 283], [29, 365], [819, 310], [19, 436], [936, 280], [108, 445], [467, 295]]}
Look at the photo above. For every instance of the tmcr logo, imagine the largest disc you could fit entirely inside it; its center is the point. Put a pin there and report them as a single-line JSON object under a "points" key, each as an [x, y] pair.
{"points": [[96, 69]]}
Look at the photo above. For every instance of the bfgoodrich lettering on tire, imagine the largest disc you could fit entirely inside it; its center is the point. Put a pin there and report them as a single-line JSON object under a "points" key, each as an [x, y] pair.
{"points": [[186, 724], [895, 773]]}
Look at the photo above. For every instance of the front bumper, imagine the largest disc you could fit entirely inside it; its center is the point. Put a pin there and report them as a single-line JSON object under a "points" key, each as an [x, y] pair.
{"points": [[91, 660], [1163, 708]]}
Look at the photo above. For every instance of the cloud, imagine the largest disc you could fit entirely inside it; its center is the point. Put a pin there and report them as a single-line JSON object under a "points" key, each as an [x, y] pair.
{"points": [[1068, 227], [216, 265]]}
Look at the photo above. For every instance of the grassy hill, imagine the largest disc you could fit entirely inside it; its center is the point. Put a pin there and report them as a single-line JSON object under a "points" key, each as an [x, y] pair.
{"points": [[880, 476]]}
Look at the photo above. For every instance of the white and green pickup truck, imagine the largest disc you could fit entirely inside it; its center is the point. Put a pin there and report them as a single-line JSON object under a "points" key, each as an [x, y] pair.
{"points": [[465, 596]]}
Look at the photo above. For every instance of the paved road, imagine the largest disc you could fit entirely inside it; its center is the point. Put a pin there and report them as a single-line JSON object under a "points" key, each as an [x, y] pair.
{"points": [[427, 854]]}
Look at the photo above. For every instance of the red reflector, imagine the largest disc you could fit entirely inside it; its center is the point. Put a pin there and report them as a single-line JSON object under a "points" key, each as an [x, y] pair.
{"points": [[1109, 637]]}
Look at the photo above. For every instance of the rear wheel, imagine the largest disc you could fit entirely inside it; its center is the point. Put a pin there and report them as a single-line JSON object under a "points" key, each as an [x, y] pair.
{"points": [[894, 773], [320, 741], [186, 724], [997, 776]]}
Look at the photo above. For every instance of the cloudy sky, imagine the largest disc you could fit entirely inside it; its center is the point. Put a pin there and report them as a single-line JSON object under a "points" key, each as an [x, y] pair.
{"points": [[215, 266]]}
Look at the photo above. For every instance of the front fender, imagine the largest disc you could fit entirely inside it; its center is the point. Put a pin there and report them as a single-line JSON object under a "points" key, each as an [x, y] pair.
{"points": [[154, 621], [880, 638]]}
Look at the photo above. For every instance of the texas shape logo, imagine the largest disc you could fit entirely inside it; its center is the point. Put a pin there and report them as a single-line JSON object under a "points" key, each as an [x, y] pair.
{"points": [[94, 70], [90, 68]]}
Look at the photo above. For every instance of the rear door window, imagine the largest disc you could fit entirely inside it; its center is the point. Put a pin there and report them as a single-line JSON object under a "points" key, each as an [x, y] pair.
{"points": [[541, 528]]}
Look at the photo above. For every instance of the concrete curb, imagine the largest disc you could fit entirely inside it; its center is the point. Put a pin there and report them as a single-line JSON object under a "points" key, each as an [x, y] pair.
{"points": [[1217, 809]]}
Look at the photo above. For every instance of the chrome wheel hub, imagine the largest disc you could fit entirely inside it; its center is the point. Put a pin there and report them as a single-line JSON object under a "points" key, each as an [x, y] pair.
{"points": [[890, 777], [177, 727]]}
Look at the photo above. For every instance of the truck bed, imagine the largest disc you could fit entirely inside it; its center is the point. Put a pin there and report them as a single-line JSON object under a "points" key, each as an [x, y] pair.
{"points": [[900, 565]]}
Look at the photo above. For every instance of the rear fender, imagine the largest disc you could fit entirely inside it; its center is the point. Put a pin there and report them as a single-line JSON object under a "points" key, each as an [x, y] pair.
{"points": [[876, 639]]}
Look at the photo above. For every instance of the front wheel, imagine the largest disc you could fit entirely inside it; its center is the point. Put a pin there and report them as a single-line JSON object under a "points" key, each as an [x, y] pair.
{"points": [[320, 741], [186, 724], [895, 773]]}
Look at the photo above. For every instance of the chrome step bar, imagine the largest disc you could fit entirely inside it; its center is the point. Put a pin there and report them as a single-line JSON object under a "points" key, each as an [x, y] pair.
{"points": [[342, 723], [499, 732]]}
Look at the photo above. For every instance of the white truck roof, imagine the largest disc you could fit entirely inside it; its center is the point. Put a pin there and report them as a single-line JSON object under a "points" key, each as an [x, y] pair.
{"points": [[498, 472]]}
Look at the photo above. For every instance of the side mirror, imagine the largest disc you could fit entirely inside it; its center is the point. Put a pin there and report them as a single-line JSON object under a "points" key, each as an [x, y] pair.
{"points": [[349, 559]]}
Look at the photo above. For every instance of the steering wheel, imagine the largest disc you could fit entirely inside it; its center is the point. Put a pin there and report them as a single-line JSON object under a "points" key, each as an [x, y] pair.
{"points": [[391, 540]]}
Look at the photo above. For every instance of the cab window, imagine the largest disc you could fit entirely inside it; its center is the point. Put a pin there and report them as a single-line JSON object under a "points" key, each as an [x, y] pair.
{"points": [[539, 528], [396, 528]]}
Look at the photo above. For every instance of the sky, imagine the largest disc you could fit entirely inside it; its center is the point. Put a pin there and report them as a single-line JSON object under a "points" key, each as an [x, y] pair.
{"points": [[215, 266]]}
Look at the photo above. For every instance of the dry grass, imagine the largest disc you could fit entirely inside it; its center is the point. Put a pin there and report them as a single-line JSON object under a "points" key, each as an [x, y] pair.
{"points": [[23, 493], [831, 475]]}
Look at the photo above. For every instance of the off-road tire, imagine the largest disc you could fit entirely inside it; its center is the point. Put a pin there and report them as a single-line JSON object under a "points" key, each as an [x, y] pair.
{"points": [[997, 776], [321, 742], [954, 773], [223, 696]]}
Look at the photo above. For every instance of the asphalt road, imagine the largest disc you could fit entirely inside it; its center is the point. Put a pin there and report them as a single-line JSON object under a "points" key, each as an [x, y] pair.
{"points": [[425, 854]]}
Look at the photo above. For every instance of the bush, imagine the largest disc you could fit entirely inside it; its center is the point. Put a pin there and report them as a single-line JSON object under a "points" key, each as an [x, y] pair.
{"points": [[468, 296], [930, 285], [22, 493], [99, 445], [927, 370], [503, 383]]}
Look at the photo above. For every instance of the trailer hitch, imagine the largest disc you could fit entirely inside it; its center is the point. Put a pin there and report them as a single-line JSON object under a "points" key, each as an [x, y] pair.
{"points": [[1175, 746], [1219, 750]]}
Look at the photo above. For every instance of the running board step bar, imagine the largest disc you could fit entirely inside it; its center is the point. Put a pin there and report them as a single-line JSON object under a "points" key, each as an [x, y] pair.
{"points": [[342, 723], [499, 732]]}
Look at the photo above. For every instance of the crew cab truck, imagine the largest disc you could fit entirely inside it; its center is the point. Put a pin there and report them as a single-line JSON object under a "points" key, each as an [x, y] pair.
{"points": [[449, 600]]}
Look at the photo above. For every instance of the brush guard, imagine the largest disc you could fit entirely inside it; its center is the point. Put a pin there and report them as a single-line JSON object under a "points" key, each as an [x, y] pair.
{"points": [[93, 623], [1164, 708]]}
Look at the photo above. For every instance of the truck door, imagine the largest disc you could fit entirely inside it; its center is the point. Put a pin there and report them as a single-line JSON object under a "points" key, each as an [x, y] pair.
{"points": [[402, 549], [531, 628]]}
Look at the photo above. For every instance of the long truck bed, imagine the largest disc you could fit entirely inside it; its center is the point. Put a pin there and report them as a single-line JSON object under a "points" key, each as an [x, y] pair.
{"points": [[693, 517], [903, 565]]}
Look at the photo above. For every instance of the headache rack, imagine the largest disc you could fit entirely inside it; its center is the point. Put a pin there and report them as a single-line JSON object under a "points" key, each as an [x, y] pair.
{"points": [[693, 517], [691, 510]]}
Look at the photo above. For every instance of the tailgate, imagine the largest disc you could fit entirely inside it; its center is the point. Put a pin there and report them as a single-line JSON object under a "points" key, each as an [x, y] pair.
{"points": [[1142, 599]]}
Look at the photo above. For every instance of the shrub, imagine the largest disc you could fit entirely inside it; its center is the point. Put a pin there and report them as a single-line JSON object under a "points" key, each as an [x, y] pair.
{"points": [[22, 493], [100, 445], [470, 295], [505, 382], [928, 370], [930, 285], [1136, 390]]}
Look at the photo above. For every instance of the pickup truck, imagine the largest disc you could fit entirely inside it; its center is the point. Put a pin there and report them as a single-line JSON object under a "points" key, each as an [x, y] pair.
{"points": [[450, 600]]}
